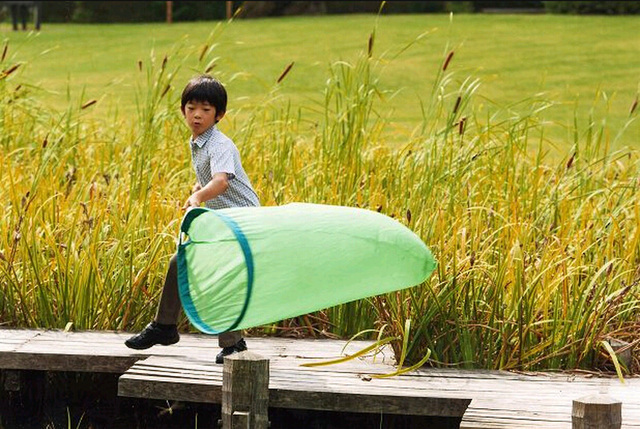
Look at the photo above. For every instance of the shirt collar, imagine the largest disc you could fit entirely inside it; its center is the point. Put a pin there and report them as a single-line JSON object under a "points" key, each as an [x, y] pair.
{"points": [[203, 138]]}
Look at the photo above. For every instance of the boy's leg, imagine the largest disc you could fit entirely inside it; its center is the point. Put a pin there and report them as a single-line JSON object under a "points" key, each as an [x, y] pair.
{"points": [[231, 342], [169, 307], [229, 339], [163, 329]]}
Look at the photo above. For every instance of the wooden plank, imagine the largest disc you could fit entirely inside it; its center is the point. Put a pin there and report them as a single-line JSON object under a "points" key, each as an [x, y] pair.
{"points": [[354, 366], [294, 388], [291, 377], [64, 351], [104, 351], [62, 362], [314, 399], [142, 387], [12, 339]]}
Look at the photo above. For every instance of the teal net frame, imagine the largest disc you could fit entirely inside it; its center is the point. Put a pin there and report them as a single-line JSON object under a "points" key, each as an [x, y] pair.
{"points": [[183, 277]]}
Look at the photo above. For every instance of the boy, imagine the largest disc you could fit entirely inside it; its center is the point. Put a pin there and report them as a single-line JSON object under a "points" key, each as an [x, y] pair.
{"points": [[221, 183]]}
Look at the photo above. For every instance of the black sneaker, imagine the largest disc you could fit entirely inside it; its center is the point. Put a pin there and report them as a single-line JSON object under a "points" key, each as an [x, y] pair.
{"points": [[154, 334], [240, 346]]}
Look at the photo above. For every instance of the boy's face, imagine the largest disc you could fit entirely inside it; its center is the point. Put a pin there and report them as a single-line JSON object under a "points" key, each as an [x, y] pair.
{"points": [[200, 116]]}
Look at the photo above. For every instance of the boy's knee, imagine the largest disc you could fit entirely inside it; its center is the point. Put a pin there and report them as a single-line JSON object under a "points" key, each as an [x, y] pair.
{"points": [[173, 262]]}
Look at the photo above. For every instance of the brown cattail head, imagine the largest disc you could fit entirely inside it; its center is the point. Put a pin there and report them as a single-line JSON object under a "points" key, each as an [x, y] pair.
{"points": [[203, 52], [164, 62], [88, 104], [140, 65], [8, 71], [461, 125], [634, 105], [447, 61], [25, 198], [409, 215], [570, 162], [209, 68], [4, 51], [84, 209], [457, 105], [166, 89], [370, 48], [285, 72], [609, 269]]}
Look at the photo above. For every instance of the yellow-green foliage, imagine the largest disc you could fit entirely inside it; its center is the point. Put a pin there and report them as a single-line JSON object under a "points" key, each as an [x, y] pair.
{"points": [[537, 254]]}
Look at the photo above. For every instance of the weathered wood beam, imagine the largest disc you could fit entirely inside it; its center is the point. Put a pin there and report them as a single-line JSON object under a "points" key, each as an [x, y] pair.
{"points": [[596, 412], [245, 391]]}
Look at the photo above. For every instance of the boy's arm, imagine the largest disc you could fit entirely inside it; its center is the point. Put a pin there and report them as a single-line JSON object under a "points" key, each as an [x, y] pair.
{"points": [[215, 187]]}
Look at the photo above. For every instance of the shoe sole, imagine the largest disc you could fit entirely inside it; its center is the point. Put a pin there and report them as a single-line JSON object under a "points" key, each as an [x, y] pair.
{"points": [[236, 351], [167, 343]]}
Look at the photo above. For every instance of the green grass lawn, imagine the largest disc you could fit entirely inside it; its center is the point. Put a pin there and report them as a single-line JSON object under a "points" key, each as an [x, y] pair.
{"points": [[569, 58]]}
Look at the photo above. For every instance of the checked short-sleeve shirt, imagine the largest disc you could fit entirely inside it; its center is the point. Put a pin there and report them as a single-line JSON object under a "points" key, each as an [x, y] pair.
{"points": [[212, 152]]}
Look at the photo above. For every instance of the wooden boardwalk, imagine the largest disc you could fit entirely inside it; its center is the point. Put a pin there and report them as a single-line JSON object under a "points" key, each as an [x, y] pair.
{"points": [[185, 371]]}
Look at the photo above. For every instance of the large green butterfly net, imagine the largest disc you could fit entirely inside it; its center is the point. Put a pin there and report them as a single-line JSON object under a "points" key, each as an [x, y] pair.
{"points": [[249, 266]]}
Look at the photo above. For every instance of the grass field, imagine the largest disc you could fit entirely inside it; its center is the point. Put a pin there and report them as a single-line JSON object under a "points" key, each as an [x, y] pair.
{"points": [[581, 63], [538, 255]]}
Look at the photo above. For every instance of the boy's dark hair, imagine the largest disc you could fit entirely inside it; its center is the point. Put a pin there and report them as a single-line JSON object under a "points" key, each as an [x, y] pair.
{"points": [[205, 88]]}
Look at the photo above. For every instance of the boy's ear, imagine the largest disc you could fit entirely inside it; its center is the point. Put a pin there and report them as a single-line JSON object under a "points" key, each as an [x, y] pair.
{"points": [[220, 116]]}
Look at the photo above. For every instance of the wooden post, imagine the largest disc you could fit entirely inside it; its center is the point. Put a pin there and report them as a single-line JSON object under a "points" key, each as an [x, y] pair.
{"points": [[169, 12], [623, 351], [596, 412], [245, 391], [229, 10]]}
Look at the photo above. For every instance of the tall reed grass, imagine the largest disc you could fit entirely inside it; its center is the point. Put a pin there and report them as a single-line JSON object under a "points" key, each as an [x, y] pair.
{"points": [[538, 252]]}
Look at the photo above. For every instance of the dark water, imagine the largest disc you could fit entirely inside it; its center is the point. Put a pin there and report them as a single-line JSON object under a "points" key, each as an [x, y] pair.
{"points": [[57, 400]]}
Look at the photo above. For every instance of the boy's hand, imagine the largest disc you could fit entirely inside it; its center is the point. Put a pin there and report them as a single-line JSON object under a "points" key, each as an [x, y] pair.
{"points": [[193, 201]]}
